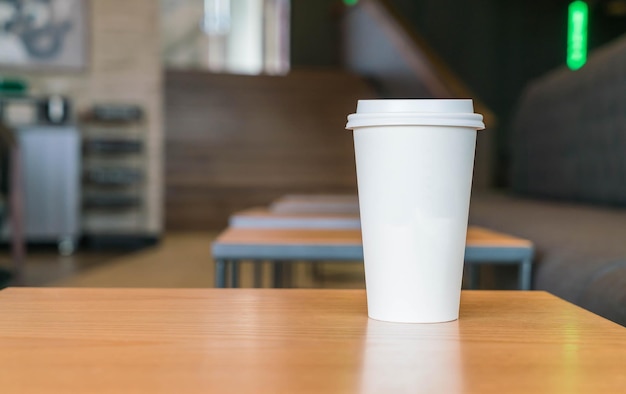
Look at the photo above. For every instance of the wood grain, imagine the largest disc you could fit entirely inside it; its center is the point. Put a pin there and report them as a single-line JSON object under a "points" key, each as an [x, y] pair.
{"points": [[255, 236], [476, 236], [317, 203], [235, 141], [298, 341], [262, 212]]}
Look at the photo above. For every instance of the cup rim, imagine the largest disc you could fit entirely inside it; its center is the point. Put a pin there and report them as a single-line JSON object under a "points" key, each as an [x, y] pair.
{"points": [[470, 121], [415, 106], [415, 112]]}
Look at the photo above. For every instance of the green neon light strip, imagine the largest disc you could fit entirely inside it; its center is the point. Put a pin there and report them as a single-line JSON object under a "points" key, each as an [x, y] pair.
{"points": [[578, 16], [350, 3]]}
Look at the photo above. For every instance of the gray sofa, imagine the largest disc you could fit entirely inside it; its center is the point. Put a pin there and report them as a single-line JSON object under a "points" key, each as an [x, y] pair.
{"points": [[568, 182]]}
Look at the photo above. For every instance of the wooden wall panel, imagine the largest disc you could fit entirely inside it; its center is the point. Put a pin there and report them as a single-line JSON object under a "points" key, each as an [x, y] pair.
{"points": [[238, 141]]}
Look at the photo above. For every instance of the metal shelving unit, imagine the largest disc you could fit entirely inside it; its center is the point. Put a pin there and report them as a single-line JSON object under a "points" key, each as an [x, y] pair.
{"points": [[114, 172]]}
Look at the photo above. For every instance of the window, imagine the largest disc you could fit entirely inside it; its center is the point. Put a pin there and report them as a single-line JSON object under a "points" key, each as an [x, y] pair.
{"points": [[234, 36]]}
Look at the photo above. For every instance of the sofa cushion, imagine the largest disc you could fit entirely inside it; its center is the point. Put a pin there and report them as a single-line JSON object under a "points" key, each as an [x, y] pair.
{"points": [[568, 137], [605, 294], [573, 242]]}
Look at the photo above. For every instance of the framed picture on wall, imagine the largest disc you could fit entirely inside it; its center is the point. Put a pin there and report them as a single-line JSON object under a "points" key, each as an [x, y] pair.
{"points": [[43, 34]]}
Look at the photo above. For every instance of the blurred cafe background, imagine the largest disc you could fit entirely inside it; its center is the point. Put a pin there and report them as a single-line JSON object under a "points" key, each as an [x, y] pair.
{"points": [[132, 131]]}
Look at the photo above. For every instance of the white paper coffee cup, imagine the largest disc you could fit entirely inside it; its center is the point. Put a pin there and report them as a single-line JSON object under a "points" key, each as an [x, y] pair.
{"points": [[414, 162]]}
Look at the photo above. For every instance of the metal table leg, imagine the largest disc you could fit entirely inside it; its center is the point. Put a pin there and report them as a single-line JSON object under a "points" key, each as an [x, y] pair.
{"points": [[220, 274], [234, 273], [288, 274], [258, 273], [474, 275], [525, 274], [278, 274]]}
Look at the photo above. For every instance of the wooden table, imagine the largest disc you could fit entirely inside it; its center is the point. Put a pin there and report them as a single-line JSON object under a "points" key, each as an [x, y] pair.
{"points": [[298, 341], [317, 203], [236, 244], [266, 218]]}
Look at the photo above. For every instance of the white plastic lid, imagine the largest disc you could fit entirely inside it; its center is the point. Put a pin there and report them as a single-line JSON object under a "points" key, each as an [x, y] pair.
{"points": [[438, 112]]}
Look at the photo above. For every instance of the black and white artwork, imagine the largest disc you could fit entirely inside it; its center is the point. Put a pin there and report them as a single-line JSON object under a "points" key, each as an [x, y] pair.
{"points": [[43, 34]]}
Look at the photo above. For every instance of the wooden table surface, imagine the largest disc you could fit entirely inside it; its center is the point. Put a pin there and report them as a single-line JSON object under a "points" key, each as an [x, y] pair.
{"points": [[476, 236], [261, 217], [298, 341], [316, 203], [263, 212]]}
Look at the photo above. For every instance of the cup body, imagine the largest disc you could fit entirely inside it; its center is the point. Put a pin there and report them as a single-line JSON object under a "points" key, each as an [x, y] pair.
{"points": [[414, 184]]}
